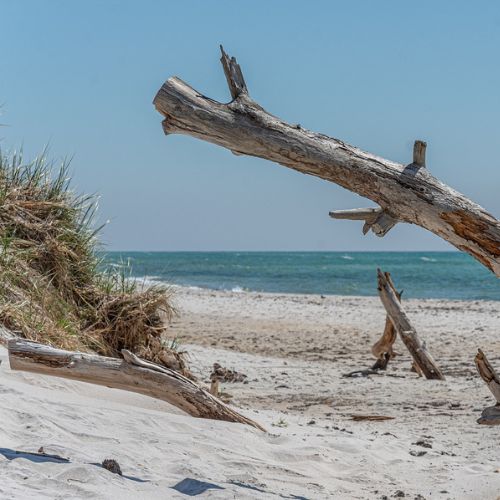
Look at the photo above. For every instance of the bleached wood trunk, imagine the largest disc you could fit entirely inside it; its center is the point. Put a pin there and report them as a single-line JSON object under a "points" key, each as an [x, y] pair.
{"points": [[490, 415], [130, 374], [405, 193], [407, 332]]}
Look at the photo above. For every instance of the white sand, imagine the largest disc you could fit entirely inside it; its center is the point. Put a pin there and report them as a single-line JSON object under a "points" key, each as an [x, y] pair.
{"points": [[294, 350]]}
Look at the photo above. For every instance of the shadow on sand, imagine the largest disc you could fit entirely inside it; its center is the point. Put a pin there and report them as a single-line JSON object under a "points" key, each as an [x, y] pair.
{"points": [[10, 454]]}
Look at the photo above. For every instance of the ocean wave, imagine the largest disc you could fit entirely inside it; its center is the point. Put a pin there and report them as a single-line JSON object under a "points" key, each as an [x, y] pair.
{"points": [[347, 257], [428, 259]]}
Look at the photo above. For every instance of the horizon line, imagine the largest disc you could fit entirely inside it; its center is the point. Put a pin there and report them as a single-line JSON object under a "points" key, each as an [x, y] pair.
{"points": [[287, 251]]}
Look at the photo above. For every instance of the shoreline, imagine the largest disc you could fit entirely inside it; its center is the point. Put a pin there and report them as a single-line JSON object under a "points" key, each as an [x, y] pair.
{"points": [[440, 275], [240, 290]]}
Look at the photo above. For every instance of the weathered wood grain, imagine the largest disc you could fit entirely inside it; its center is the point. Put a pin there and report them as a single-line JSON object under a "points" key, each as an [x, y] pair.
{"points": [[383, 348], [130, 374], [407, 332], [406, 193]]}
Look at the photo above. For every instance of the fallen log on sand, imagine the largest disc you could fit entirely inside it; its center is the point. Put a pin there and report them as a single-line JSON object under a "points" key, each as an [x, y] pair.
{"points": [[421, 357], [129, 374], [490, 415], [405, 193]]}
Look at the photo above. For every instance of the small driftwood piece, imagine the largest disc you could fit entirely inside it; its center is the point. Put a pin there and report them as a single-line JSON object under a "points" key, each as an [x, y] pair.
{"points": [[373, 418], [383, 348], [362, 373], [404, 193], [5, 336], [406, 331], [215, 387], [490, 415], [130, 374], [221, 374]]}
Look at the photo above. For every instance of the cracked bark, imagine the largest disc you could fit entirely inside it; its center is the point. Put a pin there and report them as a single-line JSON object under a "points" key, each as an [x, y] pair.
{"points": [[405, 193]]}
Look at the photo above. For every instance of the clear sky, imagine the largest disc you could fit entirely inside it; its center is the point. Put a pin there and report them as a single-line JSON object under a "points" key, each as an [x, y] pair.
{"points": [[81, 76]]}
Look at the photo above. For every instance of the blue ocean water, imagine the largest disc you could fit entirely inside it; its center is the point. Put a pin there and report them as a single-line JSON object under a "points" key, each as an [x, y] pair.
{"points": [[450, 275]]}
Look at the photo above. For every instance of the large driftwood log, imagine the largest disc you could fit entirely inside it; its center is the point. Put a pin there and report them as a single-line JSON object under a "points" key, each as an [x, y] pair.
{"points": [[405, 193], [383, 348], [130, 374], [408, 334], [490, 415]]}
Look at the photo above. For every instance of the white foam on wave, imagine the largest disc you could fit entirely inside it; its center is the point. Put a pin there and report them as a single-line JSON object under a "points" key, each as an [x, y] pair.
{"points": [[237, 289], [347, 257], [428, 259]]}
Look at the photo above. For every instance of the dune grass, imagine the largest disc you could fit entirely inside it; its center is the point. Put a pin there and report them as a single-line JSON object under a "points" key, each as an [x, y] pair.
{"points": [[53, 288]]}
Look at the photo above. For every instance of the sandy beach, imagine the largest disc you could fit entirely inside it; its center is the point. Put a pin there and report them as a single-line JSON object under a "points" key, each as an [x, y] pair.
{"points": [[209, 213], [294, 350]]}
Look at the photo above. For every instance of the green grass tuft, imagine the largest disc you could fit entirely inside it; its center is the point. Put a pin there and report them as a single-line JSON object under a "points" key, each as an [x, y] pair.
{"points": [[53, 288]]}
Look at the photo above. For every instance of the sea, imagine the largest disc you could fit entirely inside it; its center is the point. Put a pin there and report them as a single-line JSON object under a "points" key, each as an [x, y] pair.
{"points": [[448, 275]]}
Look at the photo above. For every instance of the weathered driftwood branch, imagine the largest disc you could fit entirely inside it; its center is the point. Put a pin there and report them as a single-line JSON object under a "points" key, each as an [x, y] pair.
{"points": [[383, 348], [130, 374], [408, 334], [490, 415], [376, 219], [405, 193]]}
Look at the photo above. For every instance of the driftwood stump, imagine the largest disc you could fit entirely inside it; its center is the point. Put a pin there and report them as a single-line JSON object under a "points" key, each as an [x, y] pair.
{"points": [[421, 357], [490, 415], [383, 348]]}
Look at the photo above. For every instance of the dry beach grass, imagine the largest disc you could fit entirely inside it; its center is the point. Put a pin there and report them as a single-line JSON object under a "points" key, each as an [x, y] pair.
{"points": [[52, 287]]}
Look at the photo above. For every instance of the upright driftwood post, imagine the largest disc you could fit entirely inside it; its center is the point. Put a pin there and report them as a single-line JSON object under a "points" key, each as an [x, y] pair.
{"points": [[130, 374], [404, 193], [490, 415], [408, 334], [383, 348]]}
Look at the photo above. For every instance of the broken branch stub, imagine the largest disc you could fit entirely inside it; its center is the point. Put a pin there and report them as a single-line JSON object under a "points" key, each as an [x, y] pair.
{"points": [[234, 76], [376, 219], [407, 193], [419, 148]]}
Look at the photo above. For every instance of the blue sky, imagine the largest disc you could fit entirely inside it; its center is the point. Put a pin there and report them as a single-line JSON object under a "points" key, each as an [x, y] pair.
{"points": [[81, 76]]}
